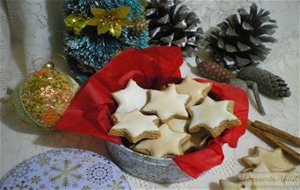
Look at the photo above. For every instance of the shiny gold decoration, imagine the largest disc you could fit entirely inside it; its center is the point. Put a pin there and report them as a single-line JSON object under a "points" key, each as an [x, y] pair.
{"points": [[140, 25], [111, 22], [48, 65], [75, 23], [46, 94]]}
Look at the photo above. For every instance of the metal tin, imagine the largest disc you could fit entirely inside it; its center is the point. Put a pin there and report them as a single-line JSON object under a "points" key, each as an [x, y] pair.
{"points": [[162, 170]]}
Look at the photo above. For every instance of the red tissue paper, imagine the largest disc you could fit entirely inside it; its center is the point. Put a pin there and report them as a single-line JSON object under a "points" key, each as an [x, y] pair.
{"points": [[154, 67]]}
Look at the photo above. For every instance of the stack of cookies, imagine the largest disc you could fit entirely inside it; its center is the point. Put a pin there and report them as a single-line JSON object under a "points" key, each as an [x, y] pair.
{"points": [[170, 122]]}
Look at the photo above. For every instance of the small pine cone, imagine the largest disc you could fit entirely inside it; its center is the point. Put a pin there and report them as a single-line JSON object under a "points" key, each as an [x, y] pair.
{"points": [[214, 71], [269, 84]]}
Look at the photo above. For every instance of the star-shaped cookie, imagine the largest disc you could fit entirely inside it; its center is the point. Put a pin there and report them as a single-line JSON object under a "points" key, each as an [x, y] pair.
{"points": [[177, 125], [196, 90], [167, 104], [261, 167], [168, 144], [135, 126], [274, 160], [133, 97], [215, 116], [228, 185], [254, 178]]}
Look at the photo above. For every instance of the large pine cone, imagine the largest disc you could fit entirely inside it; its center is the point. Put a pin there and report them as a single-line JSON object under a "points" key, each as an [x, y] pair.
{"points": [[172, 24], [268, 83], [239, 40]]}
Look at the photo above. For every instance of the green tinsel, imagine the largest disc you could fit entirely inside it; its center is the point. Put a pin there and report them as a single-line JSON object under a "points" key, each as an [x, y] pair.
{"points": [[89, 52]]}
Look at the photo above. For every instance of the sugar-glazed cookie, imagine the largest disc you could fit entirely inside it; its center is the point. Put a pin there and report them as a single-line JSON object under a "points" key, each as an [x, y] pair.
{"points": [[228, 185], [215, 116], [133, 97], [167, 104], [135, 126], [177, 125], [273, 160], [196, 90], [168, 144]]}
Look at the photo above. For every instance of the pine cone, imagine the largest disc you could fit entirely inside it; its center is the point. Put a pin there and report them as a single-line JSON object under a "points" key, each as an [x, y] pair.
{"points": [[268, 83], [239, 40], [214, 71], [173, 24]]}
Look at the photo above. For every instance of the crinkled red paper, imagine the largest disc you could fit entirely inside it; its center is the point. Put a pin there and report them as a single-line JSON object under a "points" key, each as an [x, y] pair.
{"points": [[154, 67]]}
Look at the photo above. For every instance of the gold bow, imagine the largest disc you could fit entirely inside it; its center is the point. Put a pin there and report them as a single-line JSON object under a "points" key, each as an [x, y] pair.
{"points": [[75, 23], [111, 22]]}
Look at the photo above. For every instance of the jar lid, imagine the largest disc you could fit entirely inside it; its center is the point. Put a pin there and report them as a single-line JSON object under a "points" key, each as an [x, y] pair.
{"points": [[65, 169]]}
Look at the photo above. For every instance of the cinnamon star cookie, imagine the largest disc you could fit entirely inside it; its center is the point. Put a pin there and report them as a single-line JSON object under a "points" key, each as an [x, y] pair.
{"points": [[273, 160], [133, 97], [213, 115], [177, 125], [168, 144], [228, 185], [196, 90], [167, 104], [135, 126]]}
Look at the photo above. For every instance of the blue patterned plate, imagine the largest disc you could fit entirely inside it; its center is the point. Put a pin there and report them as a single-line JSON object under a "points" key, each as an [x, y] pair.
{"points": [[65, 169]]}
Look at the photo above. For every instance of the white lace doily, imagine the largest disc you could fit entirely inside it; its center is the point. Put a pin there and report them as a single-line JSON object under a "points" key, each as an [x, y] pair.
{"points": [[4, 48], [37, 32]]}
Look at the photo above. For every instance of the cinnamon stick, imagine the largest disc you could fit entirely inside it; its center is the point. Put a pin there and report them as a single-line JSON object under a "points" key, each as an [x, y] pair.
{"points": [[293, 140], [273, 142]]}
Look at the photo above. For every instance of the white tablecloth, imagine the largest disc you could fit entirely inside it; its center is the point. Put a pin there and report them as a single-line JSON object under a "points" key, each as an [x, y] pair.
{"points": [[36, 29]]}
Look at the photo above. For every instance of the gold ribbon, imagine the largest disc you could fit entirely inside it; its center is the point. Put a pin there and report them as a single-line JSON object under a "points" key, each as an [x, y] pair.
{"points": [[106, 21], [75, 23], [111, 22]]}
